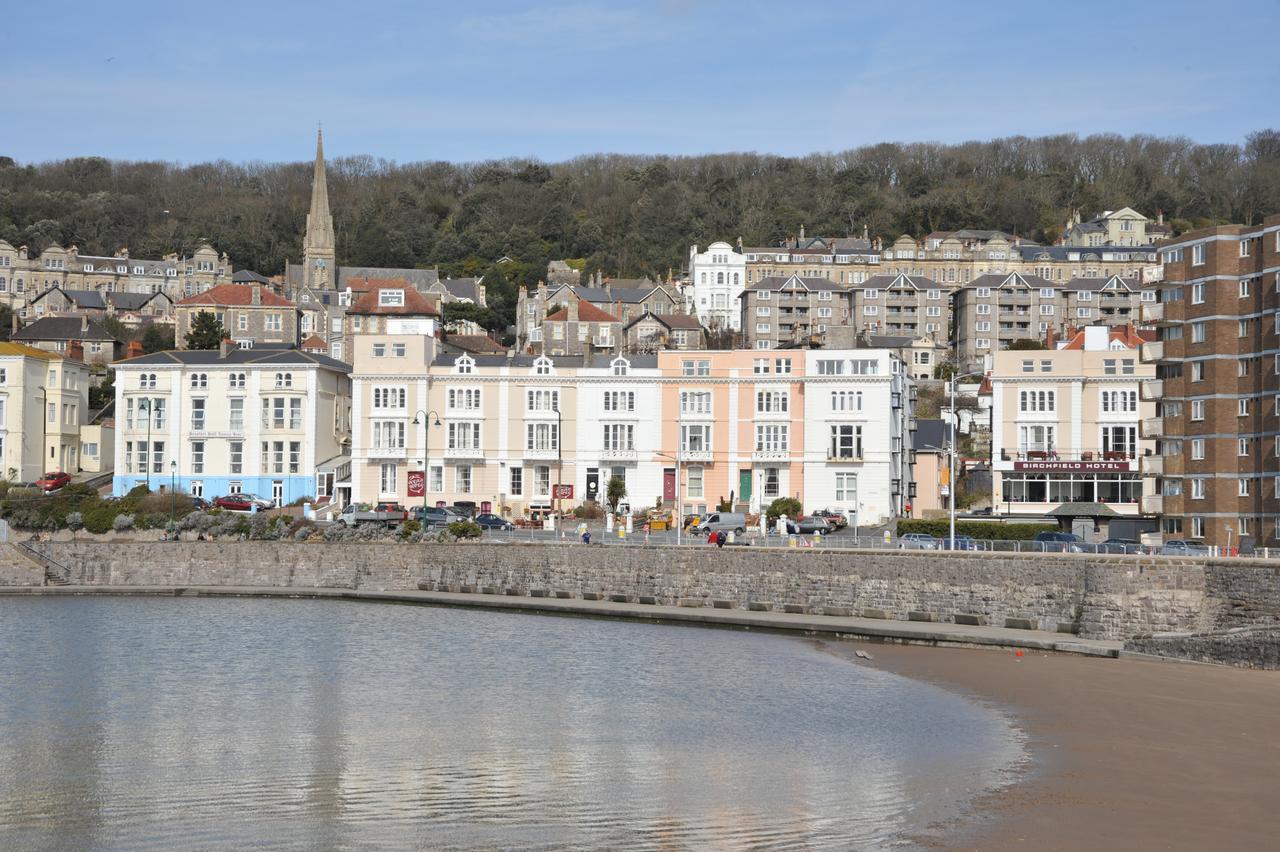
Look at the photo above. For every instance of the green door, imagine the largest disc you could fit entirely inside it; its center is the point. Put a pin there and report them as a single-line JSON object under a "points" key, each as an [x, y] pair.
{"points": [[744, 486]]}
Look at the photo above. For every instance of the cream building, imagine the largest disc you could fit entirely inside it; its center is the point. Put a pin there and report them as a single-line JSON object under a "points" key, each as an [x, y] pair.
{"points": [[716, 279], [258, 421], [44, 401], [1065, 425], [1123, 227]]}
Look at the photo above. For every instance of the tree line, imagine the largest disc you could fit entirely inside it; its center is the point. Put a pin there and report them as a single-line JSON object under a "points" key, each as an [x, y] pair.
{"points": [[630, 216]]}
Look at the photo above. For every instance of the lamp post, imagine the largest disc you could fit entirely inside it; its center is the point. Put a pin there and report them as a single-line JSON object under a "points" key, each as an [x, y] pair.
{"points": [[558, 503], [173, 490], [951, 490], [145, 403], [44, 427], [426, 457]]}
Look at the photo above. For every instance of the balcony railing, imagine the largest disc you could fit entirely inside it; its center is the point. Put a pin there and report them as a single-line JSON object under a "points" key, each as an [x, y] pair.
{"points": [[1153, 465], [603, 341], [1153, 351], [542, 453], [1152, 389], [463, 453], [843, 456], [1038, 452], [1153, 312], [695, 455], [618, 455], [1153, 427], [770, 455], [383, 452], [1152, 504]]}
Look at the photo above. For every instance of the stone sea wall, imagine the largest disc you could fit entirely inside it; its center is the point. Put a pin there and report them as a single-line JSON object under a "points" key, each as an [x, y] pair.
{"points": [[1249, 647], [1097, 597]]}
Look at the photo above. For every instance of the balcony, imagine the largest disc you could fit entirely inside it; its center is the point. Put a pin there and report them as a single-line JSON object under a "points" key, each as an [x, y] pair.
{"points": [[1153, 465], [1153, 351], [603, 341], [842, 456], [1152, 504], [463, 453], [1153, 312], [542, 453], [1152, 389], [770, 455], [1153, 427], [695, 455], [618, 455], [381, 452]]}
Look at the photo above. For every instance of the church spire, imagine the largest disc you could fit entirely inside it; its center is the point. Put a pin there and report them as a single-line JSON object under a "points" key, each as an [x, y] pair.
{"points": [[318, 247]]}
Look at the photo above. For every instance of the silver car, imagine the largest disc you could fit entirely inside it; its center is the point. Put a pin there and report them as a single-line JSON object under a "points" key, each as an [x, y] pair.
{"points": [[918, 541]]}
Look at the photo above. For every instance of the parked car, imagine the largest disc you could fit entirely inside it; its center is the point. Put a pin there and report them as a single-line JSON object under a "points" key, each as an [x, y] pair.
{"points": [[434, 516], [1178, 547], [1058, 542], [353, 515], [1120, 545], [388, 506], [53, 481], [490, 521], [243, 502], [812, 524], [837, 519], [963, 542], [918, 541], [721, 522], [200, 503]]}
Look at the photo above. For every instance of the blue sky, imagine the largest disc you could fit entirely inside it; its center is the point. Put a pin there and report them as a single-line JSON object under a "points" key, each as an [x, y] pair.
{"points": [[458, 81]]}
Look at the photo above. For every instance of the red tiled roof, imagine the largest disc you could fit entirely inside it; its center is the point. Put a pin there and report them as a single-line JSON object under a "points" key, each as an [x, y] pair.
{"points": [[236, 295], [1126, 334], [479, 343], [415, 304], [587, 312], [315, 342]]}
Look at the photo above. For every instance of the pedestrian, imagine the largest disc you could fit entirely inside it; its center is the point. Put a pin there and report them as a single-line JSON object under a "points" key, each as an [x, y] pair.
{"points": [[586, 536], [720, 538]]}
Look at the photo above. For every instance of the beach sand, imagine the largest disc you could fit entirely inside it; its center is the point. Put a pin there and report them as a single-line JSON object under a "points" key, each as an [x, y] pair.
{"points": [[1127, 755]]}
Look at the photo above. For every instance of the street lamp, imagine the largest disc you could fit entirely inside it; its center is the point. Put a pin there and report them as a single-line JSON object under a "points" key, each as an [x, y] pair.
{"points": [[426, 457], [173, 490], [951, 489], [559, 460], [679, 497], [145, 403], [44, 427]]}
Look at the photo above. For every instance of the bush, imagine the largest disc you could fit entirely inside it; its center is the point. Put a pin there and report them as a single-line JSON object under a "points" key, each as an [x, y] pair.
{"points": [[984, 530], [589, 511], [75, 521], [302, 500], [154, 521], [98, 517], [137, 492], [788, 506], [409, 528], [465, 529], [122, 523]]}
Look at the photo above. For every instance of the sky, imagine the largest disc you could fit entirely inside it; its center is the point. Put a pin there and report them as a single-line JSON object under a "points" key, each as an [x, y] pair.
{"points": [[469, 81]]}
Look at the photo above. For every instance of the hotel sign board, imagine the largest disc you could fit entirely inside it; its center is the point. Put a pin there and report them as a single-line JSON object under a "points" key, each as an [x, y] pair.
{"points": [[1072, 466]]}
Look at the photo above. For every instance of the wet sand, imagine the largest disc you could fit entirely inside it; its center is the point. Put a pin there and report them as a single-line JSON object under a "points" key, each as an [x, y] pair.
{"points": [[1126, 755]]}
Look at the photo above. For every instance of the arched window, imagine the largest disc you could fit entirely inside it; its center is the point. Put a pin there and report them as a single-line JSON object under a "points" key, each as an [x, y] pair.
{"points": [[621, 366], [542, 366], [719, 277], [465, 364]]}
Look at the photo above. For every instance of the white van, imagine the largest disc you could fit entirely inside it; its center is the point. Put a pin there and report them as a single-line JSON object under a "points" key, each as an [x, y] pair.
{"points": [[721, 522]]}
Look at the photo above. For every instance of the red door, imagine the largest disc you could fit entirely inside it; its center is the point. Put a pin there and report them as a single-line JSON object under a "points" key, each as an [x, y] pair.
{"points": [[668, 484]]}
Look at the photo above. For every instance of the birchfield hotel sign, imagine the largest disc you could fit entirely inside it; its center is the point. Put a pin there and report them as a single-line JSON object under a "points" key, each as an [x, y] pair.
{"points": [[1071, 466]]}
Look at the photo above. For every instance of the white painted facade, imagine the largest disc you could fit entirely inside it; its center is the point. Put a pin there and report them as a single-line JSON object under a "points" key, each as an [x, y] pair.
{"points": [[716, 279]]}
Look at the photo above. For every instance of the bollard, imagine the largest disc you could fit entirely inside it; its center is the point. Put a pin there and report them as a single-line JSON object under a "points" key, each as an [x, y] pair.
{"points": [[622, 532], [731, 535], [791, 540], [630, 523]]}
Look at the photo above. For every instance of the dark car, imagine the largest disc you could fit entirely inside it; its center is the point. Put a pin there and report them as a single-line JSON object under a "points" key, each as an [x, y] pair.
{"points": [[241, 502], [1058, 542], [490, 521], [963, 542], [53, 481], [813, 524], [434, 516], [200, 503], [1120, 545], [837, 520]]}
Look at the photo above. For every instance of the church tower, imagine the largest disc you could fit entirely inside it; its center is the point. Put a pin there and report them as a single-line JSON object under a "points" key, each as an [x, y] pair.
{"points": [[318, 247]]}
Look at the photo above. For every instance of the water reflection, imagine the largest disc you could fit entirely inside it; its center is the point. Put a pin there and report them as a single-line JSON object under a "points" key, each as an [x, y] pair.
{"points": [[170, 722]]}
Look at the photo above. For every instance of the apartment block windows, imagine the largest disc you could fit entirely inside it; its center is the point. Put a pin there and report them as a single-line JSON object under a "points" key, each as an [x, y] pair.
{"points": [[1037, 401], [982, 310], [1197, 255], [542, 400], [237, 381], [466, 435], [771, 402], [1197, 449], [393, 398], [1197, 371], [464, 399], [1197, 524], [387, 476], [197, 415], [620, 401], [1197, 294], [197, 456], [237, 456], [388, 435], [1197, 488], [772, 484], [846, 400], [199, 381], [782, 366], [619, 437], [542, 436], [846, 442], [462, 479], [1244, 288], [516, 482], [1242, 407], [695, 402], [846, 487], [1197, 409], [694, 483], [695, 438], [695, 368], [541, 480], [1242, 487], [1198, 332]]}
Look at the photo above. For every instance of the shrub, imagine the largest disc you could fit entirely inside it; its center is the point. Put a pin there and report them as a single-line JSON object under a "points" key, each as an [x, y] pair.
{"points": [[788, 506], [137, 492], [98, 517], [465, 529], [589, 511], [302, 500], [409, 528], [122, 523], [75, 521], [300, 529], [155, 521], [984, 530]]}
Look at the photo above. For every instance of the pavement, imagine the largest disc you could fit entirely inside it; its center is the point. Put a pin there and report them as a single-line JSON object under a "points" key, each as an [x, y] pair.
{"points": [[913, 632]]}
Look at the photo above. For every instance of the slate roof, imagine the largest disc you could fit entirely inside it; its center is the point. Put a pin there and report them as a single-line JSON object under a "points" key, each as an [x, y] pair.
{"points": [[475, 343], [132, 301], [1034, 252], [446, 359], [998, 279], [779, 282], [931, 434], [419, 278], [463, 288], [883, 280], [236, 295], [63, 328], [604, 295], [257, 356], [671, 321], [248, 276]]}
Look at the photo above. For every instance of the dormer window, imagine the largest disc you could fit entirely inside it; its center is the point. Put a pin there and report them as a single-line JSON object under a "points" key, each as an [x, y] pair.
{"points": [[621, 366], [464, 365], [284, 380], [391, 298], [542, 366]]}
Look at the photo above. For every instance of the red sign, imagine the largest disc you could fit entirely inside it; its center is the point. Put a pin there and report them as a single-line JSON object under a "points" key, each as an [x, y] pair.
{"points": [[562, 492], [1069, 466], [417, 483]]}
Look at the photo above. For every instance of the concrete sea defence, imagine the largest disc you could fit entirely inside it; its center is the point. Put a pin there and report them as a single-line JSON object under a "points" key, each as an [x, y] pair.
{"points": [[1097, 597]]}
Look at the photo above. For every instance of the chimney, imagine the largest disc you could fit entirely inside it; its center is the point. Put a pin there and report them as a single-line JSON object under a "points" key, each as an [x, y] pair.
{"points": [[75, 350], [257, 293], [864, 230], [1159, 217], [134, 349], [15, 326], [572, 315], [802, 233], [739, 243], [224, 347], [1050, 339], [84, 323]]}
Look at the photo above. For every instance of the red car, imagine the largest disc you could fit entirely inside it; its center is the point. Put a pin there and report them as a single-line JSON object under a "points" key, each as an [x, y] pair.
{"points": [[241, 502], [53, 481]]}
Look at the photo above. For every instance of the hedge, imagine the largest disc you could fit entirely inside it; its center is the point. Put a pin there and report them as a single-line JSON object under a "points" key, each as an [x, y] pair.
{"points": [[985, 530]]}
